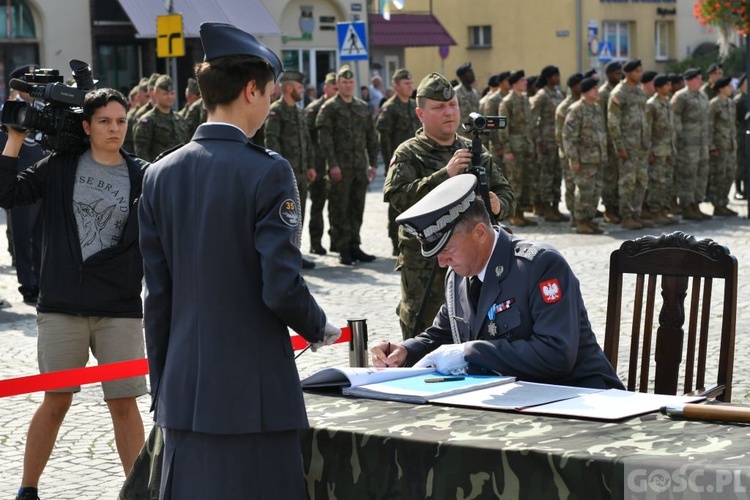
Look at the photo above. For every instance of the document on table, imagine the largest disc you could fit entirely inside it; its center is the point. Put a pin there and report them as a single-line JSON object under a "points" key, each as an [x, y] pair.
{"points": [[514, 396], [353, 377]]}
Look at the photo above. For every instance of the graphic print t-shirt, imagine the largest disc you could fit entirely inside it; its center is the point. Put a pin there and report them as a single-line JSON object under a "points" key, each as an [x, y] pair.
{"points": [[101, 201]]}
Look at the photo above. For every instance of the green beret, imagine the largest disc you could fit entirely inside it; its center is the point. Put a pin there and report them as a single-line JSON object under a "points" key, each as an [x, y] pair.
{"points": [[192, 86], [434, 86], [292, 75], [345, 72], [152, 79], [164, 82], [331, 79], [143, 85], [401, 74]]}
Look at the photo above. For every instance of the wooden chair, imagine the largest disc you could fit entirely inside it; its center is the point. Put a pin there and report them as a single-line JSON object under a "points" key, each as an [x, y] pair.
{"points": [[677, 258]]}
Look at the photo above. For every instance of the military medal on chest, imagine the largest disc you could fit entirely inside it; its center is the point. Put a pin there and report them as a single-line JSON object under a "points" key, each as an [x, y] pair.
{"points": [[492, 313]]}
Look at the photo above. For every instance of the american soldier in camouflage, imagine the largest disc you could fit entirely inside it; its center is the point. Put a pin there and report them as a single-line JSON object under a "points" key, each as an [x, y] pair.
{"points": [[660, 123], [518, 146], [491, 107], [574, 84], [715, 71], [691, 119], [626, 123], [740, 102], [161, 128], [722, 146], [349, 144], [318, 189], [467, 95], [585, 144], [543, 106], [610, 175], [418, 166], [396, 123]]}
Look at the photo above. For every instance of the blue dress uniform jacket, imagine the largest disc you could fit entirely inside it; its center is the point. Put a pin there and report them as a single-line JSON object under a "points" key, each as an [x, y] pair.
{"points": [[218, 217], [542, 332]]}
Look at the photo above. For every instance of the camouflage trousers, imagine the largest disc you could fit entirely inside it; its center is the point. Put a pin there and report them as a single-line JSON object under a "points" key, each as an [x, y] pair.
{"points": [[691, 176], [414, 277], [741, 171], [570, 186], [610, 178], [722, 169], [392, 226], [318, 191], [550, 176], [660, 174], [346, 206], [632, 181], [522, 175], [588, 189]]}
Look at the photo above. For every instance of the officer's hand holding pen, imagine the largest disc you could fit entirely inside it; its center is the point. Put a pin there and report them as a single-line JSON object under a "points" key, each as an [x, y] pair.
{"points": [[388, 354]]}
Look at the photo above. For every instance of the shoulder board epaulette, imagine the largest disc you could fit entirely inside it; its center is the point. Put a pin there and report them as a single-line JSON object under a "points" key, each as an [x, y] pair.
{"points": [[168, 151], [528, 250]]}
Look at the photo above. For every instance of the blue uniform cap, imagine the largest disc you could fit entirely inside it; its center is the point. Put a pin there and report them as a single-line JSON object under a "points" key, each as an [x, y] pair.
{"points": [[222, 39]]}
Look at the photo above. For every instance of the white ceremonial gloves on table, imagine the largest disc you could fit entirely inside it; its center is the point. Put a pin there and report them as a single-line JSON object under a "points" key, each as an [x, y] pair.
{"points": [[447, 359], [331, 334]]}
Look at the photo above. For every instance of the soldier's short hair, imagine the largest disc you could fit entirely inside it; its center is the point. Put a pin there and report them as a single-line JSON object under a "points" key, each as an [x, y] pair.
{"points": [[99, 98], [222, 79]]}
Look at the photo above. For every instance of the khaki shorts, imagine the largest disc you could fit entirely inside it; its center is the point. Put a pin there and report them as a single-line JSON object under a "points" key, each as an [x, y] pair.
{"points": [[64, 340]]}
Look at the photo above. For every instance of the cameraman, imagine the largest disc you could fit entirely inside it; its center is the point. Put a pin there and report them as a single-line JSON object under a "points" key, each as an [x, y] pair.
{"points": [[90, 283]]}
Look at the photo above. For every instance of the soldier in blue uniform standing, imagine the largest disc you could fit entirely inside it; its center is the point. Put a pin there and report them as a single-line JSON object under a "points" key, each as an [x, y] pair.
{"points": [[512, 307], [218, 222]]}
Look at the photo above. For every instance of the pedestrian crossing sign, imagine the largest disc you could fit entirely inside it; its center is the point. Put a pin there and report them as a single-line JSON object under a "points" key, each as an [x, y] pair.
{"points": [[605, 52], [352, 41]]}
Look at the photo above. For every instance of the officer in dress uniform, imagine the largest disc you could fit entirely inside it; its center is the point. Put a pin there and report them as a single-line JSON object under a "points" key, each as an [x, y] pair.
{"points": [[218, 217], [512, 306]]}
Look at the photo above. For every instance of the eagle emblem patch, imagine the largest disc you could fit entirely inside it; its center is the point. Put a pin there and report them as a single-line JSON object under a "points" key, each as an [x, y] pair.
{"points": [[551, 292]]}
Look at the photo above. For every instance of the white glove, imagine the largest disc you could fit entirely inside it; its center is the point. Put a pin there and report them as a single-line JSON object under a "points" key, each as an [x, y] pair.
{"points": [[331, 334], [447, 359]]}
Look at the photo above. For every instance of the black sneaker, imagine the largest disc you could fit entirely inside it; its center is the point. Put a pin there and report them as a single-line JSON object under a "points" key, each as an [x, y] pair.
{"points": [[317, 249], [361, 256], [308, 264], [27, 494]]}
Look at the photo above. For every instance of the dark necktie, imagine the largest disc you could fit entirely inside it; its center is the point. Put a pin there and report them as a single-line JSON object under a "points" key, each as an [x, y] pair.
{"points": [[475, 289]]}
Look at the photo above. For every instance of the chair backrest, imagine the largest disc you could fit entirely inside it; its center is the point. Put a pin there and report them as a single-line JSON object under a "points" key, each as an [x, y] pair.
{"points": [[677, 258]]}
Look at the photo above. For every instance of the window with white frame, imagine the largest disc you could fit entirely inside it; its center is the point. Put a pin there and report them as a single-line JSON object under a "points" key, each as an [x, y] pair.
{"points": [[617, 34], [480, 36], [663, 32]]}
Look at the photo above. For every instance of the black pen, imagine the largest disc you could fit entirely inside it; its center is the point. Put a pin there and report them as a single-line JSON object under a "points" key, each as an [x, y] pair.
{"points": [[388, 351], [442, 379]]}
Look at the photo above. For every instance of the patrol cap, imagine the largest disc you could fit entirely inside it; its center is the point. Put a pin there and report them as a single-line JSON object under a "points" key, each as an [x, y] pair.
{"points": [[514, 77], [192, 86], [648, 76], [463, 69], [432, 219], [591, 74], [152, 79], [502, 76], [612, 67], [691, 73], [575, 79], [222, 39], [345, 72], [401, 74], [165, 83], [143, 85], [742, 79], [588, 84], [631, 65], [133, 92], [22, 70], [330, 78], [292, 75], [714, 67], [722, 82], [493, 81], [434, 86], [661, 80]]}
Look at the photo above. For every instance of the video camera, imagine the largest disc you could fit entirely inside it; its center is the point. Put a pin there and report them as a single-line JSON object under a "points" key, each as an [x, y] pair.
{"points": [[59, 120], [481, 124]]}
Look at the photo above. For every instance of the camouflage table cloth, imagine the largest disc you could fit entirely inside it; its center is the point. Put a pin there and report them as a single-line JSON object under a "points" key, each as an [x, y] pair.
{"points": [[366, 449]]}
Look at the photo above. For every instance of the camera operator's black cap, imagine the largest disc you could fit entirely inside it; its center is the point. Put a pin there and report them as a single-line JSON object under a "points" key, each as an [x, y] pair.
{"points": [[434, 86], [588, 84], [575, 79], [612, 67], [494, 81], [501, 77], [222, 39], [691, 73], [292, 75], [713, 67], [631, 65], [22, 70], [463, 69], [432, 219], [661, 80], [722, 82], [648, 76], [514, 77]]}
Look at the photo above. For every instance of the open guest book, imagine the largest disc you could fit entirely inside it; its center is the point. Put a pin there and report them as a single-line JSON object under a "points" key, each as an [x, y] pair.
{"points": [[409, 385]]}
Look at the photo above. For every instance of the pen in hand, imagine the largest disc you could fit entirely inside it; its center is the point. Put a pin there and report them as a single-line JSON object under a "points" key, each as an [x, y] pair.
{"points": [[388, 350]]}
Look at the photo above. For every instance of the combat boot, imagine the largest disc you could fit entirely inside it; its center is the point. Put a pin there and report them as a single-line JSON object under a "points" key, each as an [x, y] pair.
{"points": [[644, 215], [659, 219], [358, 254], [550, 215], [529, 222], [703, 215], [674, 207], [724, 212], [346, 258], [670, 220], [628, 222], [642, 222], [583, 227], [540, 209], [556, 210], [317, 249], [573, 222], [517, 221], [611, 217], [689, 214], [595, 227]]}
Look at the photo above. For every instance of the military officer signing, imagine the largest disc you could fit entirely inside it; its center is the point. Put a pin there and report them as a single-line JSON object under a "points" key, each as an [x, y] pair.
{"points": [[512, 306]]}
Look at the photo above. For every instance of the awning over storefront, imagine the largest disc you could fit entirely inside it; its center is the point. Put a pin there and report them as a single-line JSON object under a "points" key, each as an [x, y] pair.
{"points": [[248, 15], [408, 30]]}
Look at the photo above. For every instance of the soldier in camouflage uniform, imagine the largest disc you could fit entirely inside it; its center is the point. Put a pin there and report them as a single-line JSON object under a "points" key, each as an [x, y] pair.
{"points": [[467, 95], [715, 72], [397, 122], [518, 147], [660, 123], [318, 189], [161, 128], [722, 146], [194, 113], [585, 143], [491, 107], [543, 106], [647, 83], [610, 197], [142, 99], [420, 164], [740, 102], [192, 94], [691, 118], [574, 84], [151, 97], [349, 144], [626, 122]]}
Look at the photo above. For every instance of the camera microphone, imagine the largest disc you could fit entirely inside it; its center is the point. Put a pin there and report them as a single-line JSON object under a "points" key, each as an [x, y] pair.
{"points": [[20, 85]]}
